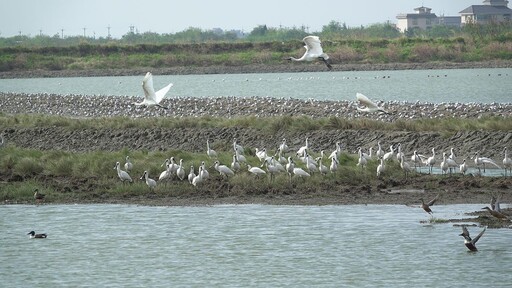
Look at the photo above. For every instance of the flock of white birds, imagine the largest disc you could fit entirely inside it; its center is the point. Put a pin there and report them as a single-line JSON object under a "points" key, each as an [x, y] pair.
{"points": [[301, 163], [277, 163]]}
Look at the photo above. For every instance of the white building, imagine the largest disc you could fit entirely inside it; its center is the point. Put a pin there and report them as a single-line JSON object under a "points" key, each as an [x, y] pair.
{"points": [[491, 11]]}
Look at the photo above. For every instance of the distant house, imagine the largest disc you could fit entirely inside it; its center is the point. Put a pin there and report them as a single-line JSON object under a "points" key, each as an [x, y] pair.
{"points": [[491, 11], [422, 19]]}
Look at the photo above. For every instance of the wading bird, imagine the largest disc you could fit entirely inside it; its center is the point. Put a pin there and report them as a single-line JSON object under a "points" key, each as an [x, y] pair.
{"points": [[210, 152], [150, 182], [313, 52], [152, 98], [481, 161], [255, 170], [507, 162], [37, 236], [470, 243], [370, 106], [128, 165], [123, 175]]}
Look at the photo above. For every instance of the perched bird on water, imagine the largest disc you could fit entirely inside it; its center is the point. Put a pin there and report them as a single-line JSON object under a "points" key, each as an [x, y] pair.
{"points": [[426, 206], [39, 197], [152, 98], [34, 235], [470, 243], [313, 52], [496, 213]]}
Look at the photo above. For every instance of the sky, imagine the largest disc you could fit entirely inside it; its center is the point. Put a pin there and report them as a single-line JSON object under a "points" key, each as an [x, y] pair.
{"points": [[49, 17]]}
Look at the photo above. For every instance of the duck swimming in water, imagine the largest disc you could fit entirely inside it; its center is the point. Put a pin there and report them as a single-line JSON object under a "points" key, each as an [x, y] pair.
{"points": [[34, 235], [470, 243]]}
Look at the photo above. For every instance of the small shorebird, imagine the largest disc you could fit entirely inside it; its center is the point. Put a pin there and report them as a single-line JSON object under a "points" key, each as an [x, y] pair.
{"points": [[34, 235], [470, 243], [426, 206], [39, 197]]}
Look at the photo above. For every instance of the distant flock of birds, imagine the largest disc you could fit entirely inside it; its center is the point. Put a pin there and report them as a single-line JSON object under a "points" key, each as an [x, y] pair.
{"points": [[278, 163]]}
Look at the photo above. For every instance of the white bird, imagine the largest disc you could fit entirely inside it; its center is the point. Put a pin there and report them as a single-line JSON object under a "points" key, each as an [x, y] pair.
{"points": [[256, 170], [123, 175], [399, 153], [389, 155], [238, 147], [223, 169], [290, 166], [210, 152], [362, 160], [199, 177], [452, 155], [283, 148], [241, 158], [337, 151], [370, 106], [444, 164], [451, 163], [150, 182], [313, 52], [271, 168], [301, 150], [128, 165], [180, 171], [310, 163], [380, 153], [235, 165], [204, 172], [381, 168], [416, 159], [300, 173], [166, 174], [405, 166], [191, 174], [481, 161], [463, 168], [507, 162], [152, 98], [431, 161], [173, 167], [334, 165], [321, 167], [368, 156]]}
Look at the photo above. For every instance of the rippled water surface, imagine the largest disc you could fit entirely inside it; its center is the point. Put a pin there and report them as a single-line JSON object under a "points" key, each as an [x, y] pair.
{"points": [[436, 86], [246, 245]]}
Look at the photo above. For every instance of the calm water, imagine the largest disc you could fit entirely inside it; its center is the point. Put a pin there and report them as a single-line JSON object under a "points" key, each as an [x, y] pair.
{"points": [[436, 86], [246, 245]]}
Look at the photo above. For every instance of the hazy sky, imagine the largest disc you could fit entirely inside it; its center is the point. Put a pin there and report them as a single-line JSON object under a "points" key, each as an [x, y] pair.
{"points": [[167, 16]]}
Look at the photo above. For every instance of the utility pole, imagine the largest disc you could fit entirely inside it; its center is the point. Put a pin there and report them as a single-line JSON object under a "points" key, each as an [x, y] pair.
{"points": [[62, 33], [84, 30], [108, 29], [40, 32]]}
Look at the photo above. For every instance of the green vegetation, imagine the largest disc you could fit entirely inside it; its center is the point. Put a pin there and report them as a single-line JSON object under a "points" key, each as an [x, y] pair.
{"points": [[269, 124], [378, 43]]}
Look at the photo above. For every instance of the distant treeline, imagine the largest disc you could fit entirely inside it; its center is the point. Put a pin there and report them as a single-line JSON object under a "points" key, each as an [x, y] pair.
{"points": [[379, 43]]}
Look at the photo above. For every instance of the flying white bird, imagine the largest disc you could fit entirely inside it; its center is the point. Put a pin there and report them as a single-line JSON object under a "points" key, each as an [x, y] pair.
{"points": [[314, 51], [370, 105], [152, 98]]}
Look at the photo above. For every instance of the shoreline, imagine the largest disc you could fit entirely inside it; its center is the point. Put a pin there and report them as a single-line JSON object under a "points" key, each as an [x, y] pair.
{"points": [[254, 68]]}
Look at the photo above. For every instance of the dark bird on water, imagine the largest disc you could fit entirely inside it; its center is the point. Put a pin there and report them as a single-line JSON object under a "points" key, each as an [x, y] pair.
{"points": [[470, 243], [34, 235]]}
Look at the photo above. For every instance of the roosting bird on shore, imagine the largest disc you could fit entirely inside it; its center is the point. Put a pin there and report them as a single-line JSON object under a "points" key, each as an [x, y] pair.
{"points": [[152, 98], [313, 52]]}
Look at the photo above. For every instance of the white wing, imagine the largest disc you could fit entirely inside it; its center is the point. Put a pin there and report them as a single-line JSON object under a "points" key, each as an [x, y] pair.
{"points": [[313, 46], [489, 161], [365, 101], [147, 86], [149, 91]]}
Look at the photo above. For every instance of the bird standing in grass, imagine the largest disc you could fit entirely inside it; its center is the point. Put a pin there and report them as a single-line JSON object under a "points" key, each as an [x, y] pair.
{"points": [[150, 182], [313, 52], [123, 175], [39, 197]]}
